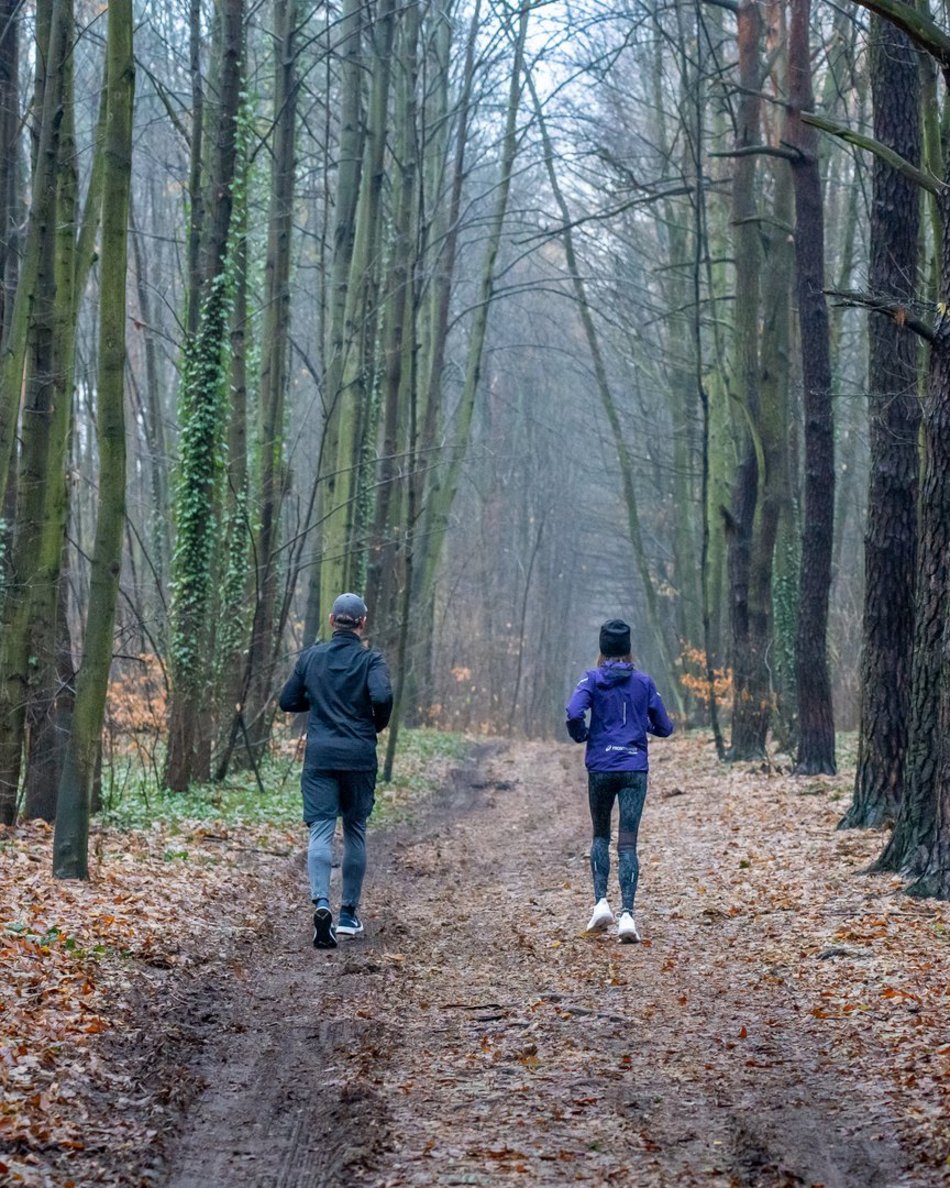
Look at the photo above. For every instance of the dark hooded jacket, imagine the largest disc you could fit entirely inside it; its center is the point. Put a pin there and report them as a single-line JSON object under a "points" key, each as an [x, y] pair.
{"points": [[346, 688], [624, 708]]}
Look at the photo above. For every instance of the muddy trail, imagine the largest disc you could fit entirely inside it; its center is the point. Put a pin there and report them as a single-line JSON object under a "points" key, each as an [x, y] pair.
{"points": [[476, 1035]]}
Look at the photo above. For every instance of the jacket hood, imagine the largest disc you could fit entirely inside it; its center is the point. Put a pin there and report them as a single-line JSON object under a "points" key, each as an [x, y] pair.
{"points": [[614, 674]]}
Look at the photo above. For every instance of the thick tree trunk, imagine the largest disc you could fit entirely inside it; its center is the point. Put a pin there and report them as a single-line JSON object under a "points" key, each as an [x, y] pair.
{"points": [[32, 342], [920, 843], [750, 617], [890, 542], [49, 703], [774, 619], [202, 394], [816, 732], [70, 843], [50, 716]]}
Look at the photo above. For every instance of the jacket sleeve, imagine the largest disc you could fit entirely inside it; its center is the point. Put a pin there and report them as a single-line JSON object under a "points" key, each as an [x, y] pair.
{"points": [[293, 697], [660, 723], [577, 707], [380, 691]]}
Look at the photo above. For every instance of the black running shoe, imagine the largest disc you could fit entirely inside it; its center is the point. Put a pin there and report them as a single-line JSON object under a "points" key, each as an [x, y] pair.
{"points": [[324, 934]]}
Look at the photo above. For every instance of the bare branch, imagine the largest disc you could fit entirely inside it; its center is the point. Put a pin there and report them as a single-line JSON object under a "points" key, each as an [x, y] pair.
{"points": [[894, 309], [922, 178], [761, 150]]}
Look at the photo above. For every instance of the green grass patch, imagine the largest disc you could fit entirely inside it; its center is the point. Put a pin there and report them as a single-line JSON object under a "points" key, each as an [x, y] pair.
{"points": [[133, 798]]}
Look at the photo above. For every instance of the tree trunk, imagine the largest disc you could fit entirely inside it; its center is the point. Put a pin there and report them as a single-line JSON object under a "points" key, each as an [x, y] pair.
{"points": [[816, 731], [50, 715], [202, 395], [920, 843], [750, 618], [258, 713], [890, 542], [10, 212], [399, 335], [49, 646], [771, 596], [35, 309], [154, 420], [70, 843]]}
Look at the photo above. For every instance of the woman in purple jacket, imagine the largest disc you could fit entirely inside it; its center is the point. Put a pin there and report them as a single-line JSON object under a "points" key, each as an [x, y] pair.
{"points": [[624, 708]]}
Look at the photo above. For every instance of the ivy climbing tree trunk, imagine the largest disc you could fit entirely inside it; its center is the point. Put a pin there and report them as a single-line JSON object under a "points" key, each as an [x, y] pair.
{"points": [[71, 838], [202, 397]]}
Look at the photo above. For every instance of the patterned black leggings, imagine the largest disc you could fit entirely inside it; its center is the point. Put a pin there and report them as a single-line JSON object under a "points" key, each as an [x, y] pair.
{"points": [[603, 788]]}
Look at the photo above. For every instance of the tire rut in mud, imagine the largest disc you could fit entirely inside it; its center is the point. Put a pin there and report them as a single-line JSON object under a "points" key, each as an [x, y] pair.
{"points": [[288, 1066]]}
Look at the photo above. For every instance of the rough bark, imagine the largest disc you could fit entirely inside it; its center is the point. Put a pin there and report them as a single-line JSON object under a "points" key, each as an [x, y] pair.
{"points": [[920, 843], [890, 542], [750, 619], [816, 732]]}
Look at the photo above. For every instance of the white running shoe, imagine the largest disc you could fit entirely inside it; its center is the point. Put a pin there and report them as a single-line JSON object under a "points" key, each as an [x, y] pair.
{"points": [[627, 929], [601, 918]]}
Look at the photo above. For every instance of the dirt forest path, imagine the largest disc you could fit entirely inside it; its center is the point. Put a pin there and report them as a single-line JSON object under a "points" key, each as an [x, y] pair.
{"points": [[475, 1035]]}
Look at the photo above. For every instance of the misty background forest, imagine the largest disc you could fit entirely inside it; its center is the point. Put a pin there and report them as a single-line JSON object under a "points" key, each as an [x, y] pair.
{"points": [[511, 318]]}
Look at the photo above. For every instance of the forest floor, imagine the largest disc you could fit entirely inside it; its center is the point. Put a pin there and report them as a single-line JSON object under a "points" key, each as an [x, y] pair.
{"points": [[782, 1023]]}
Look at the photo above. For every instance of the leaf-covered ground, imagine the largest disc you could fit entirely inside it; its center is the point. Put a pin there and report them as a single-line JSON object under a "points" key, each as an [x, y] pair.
{"points": [[103, 984], [784, 1021]]}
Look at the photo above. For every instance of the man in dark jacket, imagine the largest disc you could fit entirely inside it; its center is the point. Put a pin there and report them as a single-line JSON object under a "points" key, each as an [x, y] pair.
{"points": [[347, 691]]}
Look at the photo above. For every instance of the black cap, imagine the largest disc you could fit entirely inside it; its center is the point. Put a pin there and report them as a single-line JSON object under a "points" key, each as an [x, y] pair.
{"points": [[348, 608], [615, 638]]}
